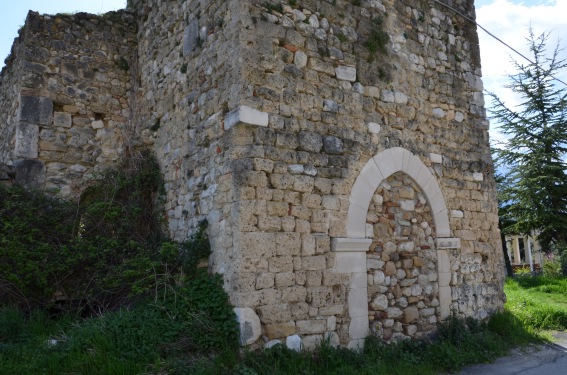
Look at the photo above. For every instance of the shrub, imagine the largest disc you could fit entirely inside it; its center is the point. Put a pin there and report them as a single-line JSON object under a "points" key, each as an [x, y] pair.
{"points": [[523, 272], [36, 237], [102, 252], [552, 268]]}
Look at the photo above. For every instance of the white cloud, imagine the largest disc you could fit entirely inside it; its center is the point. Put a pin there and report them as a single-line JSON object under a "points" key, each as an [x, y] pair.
{"points": [[509, 21]]}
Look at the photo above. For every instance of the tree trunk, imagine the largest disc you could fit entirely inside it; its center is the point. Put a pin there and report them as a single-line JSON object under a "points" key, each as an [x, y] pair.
{"points": [[509, 270]]}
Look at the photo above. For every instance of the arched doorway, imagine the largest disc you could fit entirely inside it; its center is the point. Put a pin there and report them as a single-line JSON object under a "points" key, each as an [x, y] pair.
{"points": [[401, 263], [351, 252]]}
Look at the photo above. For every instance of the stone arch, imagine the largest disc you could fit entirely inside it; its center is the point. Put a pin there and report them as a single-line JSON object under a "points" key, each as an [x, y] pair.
{"points": [[379, 168], [351, 251]]}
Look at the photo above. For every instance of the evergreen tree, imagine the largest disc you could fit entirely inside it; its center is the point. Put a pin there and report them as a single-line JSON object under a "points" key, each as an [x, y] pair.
{"points": [[505, 221], [535, 188]]}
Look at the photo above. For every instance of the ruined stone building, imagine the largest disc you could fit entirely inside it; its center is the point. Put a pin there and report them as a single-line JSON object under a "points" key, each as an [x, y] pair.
{"points": [[338, 149]]}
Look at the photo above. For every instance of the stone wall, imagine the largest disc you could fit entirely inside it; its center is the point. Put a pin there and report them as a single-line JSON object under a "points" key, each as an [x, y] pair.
{"points": [[338, 150], [10, 82], [402, 261], [72, 98], [333, 104], [189, 67]]}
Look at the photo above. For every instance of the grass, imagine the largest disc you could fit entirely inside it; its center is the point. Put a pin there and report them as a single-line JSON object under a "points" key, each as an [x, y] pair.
{"points": [[152, 338], [539, 302], [460, 343]]}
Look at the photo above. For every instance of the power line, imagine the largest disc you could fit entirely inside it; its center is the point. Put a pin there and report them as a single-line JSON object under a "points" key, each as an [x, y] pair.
{"points": [[489, 33]]}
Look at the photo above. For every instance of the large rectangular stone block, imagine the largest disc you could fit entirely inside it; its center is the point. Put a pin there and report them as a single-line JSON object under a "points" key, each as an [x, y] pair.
{"points": [[257, 245], [30, 173], [311, 326], [36, 110], [190, 37], [27, 136]]}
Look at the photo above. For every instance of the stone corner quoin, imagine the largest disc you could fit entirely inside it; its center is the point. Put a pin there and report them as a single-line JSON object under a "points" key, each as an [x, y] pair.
{"points": [[339, 152]]}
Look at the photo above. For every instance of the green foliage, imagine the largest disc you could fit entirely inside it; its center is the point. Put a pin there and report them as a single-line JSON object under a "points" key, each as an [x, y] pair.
{"points": [[99, 253], [273, 7], [538, 302], [459, 343], [114, 17], [203, 305], [155, 127], [378, 39], [342, 37], [36, 234], [552, 268], [191, 320], [523, 272], [12, 324], [195, 249], [563, 261], [149, 305], [191, 330], [534, 191]]}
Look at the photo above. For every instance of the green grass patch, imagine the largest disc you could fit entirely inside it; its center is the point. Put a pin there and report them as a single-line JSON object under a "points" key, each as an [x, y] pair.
{"points": [[191, 321], [538, 302], [459, 343], [191, 330]]}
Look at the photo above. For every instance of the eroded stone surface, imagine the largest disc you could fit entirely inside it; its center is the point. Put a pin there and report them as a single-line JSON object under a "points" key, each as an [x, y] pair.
{"points": [[277, 189], [249, 323], [400, 291]]}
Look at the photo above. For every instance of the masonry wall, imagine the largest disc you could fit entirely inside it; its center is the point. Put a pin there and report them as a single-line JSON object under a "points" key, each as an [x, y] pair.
{"points": [[10, 82], [339, 152], [190, 62], [333, 104], [69, 91]]}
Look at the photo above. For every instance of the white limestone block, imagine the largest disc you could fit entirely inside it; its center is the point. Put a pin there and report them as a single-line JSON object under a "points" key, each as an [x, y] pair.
{"points": [[448, 243], [438, 112], [436, 158], [294, 342], [358, 302], [477, 176], [249, 324], [457, 213], [373, 128], [246, 115], [346, 73], [358, 328]]}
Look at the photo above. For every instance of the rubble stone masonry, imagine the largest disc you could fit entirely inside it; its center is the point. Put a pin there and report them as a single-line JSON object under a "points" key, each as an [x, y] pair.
{"points": [[338, 149]]}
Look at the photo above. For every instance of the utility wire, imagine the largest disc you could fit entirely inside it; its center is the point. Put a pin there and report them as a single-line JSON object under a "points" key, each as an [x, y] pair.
{"points": [[489, 33]]}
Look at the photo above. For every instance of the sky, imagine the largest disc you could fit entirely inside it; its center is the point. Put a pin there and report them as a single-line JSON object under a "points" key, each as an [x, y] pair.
{"points": [[510, 20], [507, 19]]}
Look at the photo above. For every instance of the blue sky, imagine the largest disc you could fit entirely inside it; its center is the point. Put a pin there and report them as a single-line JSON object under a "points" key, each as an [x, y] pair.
{"points": [[508, 19]]}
